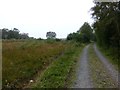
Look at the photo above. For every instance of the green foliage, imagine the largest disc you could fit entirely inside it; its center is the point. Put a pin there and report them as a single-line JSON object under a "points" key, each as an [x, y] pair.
{"points": [[13, 34], [57, 39], [109, 54], [74, 36], [39, 39], [50, 41], [83, 35], [57, 74], [107, 26], [86, 32], [51, 35]]}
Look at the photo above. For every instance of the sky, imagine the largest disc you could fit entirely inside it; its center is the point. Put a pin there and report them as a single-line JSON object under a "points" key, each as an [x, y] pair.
{"points": [[37, 17]]}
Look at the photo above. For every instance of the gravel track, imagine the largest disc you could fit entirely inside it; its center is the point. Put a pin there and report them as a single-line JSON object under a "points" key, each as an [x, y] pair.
{"points": [[111, 70], [83, 78]]}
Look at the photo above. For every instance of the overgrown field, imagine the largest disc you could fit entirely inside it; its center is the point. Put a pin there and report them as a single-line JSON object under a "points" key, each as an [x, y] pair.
{"points": [[23, 60]]}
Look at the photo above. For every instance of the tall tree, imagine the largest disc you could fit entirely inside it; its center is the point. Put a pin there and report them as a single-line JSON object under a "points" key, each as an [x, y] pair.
{"points": [[107, 25], [107, 19], [86, 32], [83, 35]]}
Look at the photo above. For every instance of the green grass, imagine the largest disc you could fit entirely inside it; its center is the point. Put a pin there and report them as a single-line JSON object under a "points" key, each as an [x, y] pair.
{"points": [[22, 60], [108, 53], [98, 72], [59, 74]]}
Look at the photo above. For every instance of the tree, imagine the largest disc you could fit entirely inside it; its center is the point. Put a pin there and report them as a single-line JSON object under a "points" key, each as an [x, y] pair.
{"points": [[74, 36], [24, 36], [13, 34], [16, 33], [70, 36], [83, 35], [86, 32], [51, 35], [107, 25], [4, 33]]}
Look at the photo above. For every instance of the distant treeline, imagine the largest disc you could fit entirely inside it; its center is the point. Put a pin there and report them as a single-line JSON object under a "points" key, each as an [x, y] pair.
{"points": [[84, 35], [13, 34]]}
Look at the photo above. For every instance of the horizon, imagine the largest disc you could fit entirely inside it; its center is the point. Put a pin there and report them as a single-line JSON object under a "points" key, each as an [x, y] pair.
{"points": [[39, 17]]}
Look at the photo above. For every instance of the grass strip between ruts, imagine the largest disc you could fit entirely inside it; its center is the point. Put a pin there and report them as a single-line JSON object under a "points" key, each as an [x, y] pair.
{"points": [[98, 72]]}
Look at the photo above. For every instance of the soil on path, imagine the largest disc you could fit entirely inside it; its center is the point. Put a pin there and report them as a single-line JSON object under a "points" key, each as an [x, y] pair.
{"points": [[83, 78], [110, 68]]}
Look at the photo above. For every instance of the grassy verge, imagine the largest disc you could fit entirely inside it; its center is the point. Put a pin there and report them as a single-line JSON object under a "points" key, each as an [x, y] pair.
{"points": [[22, 60], [59, 74], [100, 77], [108, 54]]}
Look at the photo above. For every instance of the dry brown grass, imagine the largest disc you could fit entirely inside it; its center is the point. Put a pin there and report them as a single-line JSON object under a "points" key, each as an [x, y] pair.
{"points": [[24, 59]]}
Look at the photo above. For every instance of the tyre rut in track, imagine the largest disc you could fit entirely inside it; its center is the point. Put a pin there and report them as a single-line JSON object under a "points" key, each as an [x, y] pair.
{"points": [[83, 78]]}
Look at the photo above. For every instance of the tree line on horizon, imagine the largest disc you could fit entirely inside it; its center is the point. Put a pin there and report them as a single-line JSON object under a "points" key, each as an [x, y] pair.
{"points": [[106, 26], [13, 34], [83, 35]]}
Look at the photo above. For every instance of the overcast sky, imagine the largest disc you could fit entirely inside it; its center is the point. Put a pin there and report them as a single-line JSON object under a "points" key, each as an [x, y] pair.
{"points": [[37, 17]]}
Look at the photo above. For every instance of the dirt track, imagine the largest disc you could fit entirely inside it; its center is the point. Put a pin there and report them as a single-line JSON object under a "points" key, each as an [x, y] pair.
{"points": [[110, 68], [84, 78]]}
